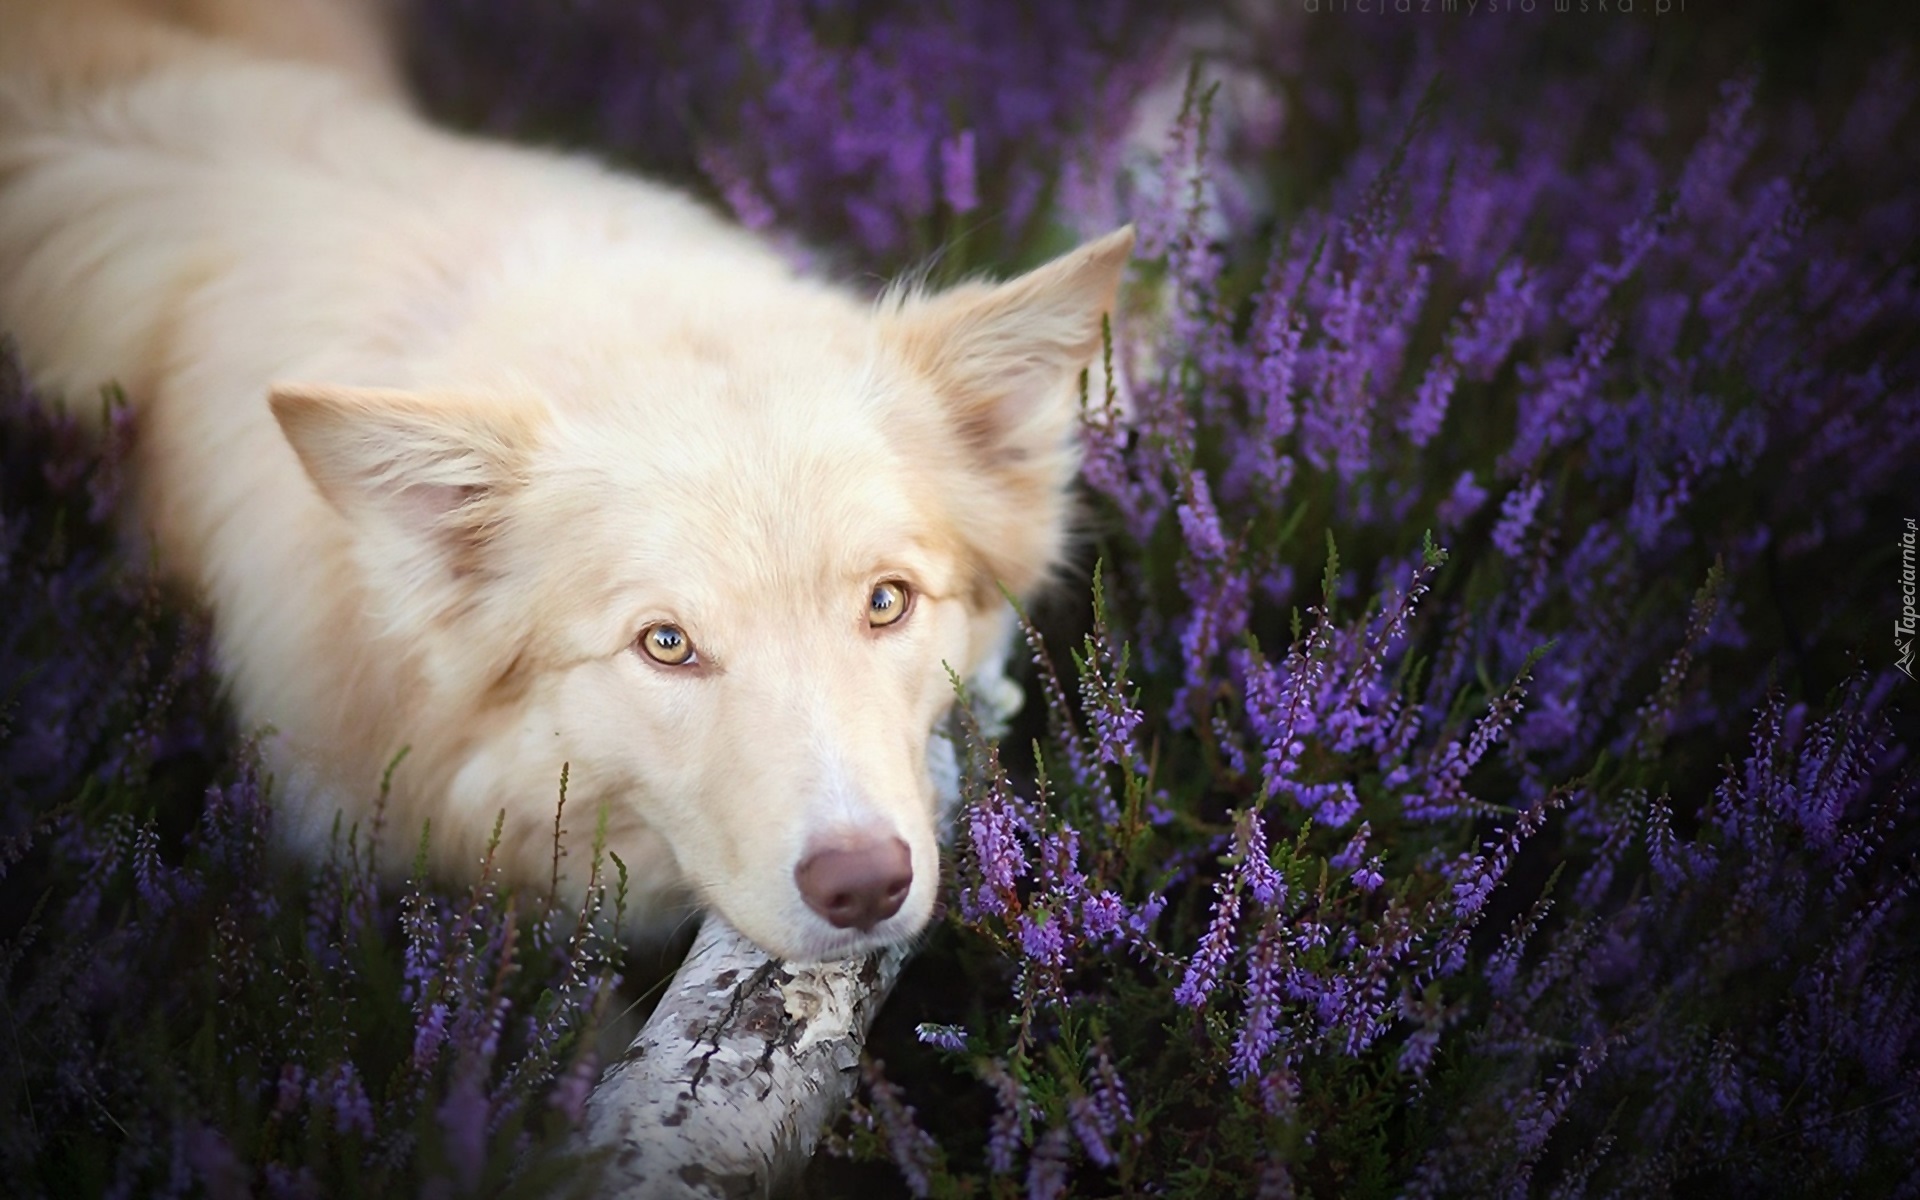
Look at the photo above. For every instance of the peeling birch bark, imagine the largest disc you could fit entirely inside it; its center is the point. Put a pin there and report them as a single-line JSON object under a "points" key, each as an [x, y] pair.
{"points": [[747, 1060], [745, 1063]]}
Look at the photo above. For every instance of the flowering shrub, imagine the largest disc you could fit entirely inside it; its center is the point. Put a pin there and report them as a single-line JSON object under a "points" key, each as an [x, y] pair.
{"points": [[888, 134], [1477, 770], [1512, 866]]}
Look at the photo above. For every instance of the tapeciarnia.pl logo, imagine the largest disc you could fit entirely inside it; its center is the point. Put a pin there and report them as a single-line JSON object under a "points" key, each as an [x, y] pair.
{"points": [[1903, 626]]}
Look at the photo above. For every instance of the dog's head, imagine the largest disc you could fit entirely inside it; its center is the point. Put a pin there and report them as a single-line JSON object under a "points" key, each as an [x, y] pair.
{"points": [[727, 583]]}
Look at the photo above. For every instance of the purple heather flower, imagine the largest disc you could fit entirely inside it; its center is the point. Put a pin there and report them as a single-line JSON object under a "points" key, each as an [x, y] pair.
{"points": [[1465, 500], [1260, 1028], [1228, 739], [996, 847], [1474, 877], [1059, 854], [430, 1034], [957, 167], [1006, 1133], [945, 1037], [1661, 320], [1109, 1092], [1103, 914], [1544, 1109], [1200, 522], [1516, 515], [1706, 181], [1333, 804], [1110, 711], [1279, 702], [290, 1089], [1553, 396], [1060, 716], [1493, 323], [1724, 1083], [1673, 861], [1422, 420], [1583, 302], [912, 1149], [1503, 965], [1047, 1169], [1255, 866], [1141, 923], [1356, 848], [290, 1183], [1216, 945], [743, 198], [1279, 1091], [339, 1091], [1616, 831], [1041, 939], [574, 1088], [1776, 223], [464, 1118], [1085, 1119], [1271, 368], [1417, 1055]]}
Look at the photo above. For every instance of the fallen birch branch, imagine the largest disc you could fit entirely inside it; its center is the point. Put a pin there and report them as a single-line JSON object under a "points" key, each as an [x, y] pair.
{"points": [[742, 1066], [747, 1060]]}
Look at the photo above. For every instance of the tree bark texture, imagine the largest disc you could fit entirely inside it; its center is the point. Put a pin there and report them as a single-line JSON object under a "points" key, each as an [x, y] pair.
{"points": [[745, 1062]]}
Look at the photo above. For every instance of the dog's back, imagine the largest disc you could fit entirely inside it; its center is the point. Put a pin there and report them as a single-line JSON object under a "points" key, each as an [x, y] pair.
{"points": [[114, 116], [87, 45]]}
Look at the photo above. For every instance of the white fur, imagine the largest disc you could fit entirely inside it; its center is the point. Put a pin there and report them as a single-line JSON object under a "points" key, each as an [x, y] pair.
{"points": [[521, 409]]}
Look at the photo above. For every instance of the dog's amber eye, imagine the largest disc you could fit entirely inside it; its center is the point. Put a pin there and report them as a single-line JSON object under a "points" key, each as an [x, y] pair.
{"points": [[887, 604], [668, 645]]}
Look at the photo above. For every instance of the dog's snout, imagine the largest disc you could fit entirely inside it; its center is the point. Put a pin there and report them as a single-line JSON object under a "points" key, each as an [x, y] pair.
{"points": [[859, 885]]}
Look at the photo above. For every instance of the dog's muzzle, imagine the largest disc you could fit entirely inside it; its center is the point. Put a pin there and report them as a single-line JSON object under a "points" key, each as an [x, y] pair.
{"points": [[858, 885]]}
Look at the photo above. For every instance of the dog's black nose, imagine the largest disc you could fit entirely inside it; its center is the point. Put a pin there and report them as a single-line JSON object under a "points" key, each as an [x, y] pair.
{"points": [[856, 885]]}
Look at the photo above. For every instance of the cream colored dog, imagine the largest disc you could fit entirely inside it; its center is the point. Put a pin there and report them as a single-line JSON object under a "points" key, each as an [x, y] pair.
{"points": [[496, 455]]}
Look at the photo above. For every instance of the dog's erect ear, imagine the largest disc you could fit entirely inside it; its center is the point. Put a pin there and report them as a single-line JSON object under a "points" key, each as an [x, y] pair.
{"points": [[1007, 357], [424, 478], [1006, 360]]}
